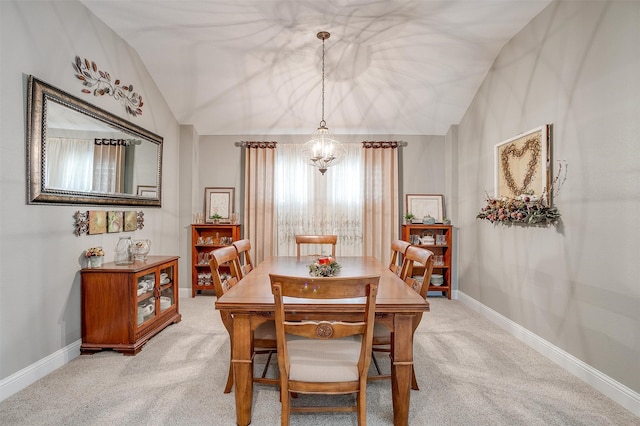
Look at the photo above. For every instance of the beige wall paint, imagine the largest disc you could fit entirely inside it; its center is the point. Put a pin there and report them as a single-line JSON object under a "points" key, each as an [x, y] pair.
{"points": [[577, 66], [39, 255], [422, 162]]}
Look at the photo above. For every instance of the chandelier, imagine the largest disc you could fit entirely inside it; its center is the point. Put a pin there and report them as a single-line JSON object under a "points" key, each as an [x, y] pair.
{"points": [[323, 151]]}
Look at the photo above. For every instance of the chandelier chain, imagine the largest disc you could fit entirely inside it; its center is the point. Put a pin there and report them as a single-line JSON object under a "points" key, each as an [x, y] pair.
{"points": [[322, 122]]}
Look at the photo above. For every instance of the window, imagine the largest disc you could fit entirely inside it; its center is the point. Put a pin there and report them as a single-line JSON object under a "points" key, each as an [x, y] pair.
{"points": [[310, 203]]}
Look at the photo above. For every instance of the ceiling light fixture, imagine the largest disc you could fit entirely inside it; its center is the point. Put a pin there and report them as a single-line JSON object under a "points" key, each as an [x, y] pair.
{"points": [[323, 151]]}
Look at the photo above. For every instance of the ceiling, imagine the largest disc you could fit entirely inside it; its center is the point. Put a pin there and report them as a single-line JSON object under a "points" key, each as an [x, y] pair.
{"points": [[254, 67]]}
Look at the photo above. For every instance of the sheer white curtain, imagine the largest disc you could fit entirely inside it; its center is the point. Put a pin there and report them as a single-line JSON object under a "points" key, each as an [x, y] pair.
{"points": [[307, 202], [69, 164]]}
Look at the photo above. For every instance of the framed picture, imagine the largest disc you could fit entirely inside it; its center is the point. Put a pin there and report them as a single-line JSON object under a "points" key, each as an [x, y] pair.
{"points": [[218, 201], [115, 221], [421, 205], [522, 164], [147, 191], [130, 221], [97, 222]]}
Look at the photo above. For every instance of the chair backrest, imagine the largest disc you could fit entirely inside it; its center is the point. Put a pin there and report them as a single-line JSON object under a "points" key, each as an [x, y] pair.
{"points": [[324, 288], [244, 258], [398, 248], [224, 256], [317, 239], [425, 258]]}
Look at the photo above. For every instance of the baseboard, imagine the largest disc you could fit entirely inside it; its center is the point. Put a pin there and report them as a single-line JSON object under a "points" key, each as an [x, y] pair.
{"points": [[25, 377], [31, 374], [616, 391]]}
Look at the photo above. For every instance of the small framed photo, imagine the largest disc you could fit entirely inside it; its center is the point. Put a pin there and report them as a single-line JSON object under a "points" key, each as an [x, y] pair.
{"points": [[115, 221], [218, 202], [130, 221], [97, 222], [147, 191], [421, 205], [522, 165]]}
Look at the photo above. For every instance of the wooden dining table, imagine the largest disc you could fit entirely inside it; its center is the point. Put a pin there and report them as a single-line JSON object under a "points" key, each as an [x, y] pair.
{"points": [[251, 303]]}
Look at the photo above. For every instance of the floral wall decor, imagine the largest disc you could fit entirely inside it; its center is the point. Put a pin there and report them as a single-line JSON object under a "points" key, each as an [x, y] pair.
{"points": [[102, 84], [526, 208]]}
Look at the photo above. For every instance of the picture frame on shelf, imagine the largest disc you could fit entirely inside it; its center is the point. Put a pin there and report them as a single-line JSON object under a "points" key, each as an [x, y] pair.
{"points": [[421, 205], [218, 201], [147, 191], [522, 164]]}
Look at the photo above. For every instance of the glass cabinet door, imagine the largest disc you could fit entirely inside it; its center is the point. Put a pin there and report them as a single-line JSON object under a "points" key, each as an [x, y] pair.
{"points": [[167, 288], [146, 306]]}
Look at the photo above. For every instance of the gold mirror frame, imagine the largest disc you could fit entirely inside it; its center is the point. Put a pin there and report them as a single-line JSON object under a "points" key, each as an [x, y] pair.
{"points": [[39, 94]]}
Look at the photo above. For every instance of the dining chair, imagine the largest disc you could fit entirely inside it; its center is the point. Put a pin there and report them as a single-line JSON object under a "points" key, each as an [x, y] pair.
{"points": [[324, 356], [317, 239], [382, 336], [398, 260], [264, 337], [244, 258]]}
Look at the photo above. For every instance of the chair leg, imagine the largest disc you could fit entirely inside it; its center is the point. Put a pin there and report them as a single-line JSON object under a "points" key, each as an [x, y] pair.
{"points": [[284, 398], [375, 363], [229, 384], [414, 381], [266, 365], [362, 407]]}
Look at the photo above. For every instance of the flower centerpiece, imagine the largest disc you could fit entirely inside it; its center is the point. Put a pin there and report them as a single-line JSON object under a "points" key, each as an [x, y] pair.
{"points": [[95, 255], [216, 217], [324, 267]]}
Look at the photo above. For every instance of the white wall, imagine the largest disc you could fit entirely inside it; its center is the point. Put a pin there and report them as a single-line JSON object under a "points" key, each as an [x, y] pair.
{"points": [[577, 66], [39, 255]]}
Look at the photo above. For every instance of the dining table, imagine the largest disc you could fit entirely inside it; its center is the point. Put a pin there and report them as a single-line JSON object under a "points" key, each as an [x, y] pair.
{"points": [[251, 303]]}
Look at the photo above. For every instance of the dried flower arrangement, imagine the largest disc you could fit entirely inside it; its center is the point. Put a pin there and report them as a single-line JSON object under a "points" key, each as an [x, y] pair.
{"points": [[526, 208]]}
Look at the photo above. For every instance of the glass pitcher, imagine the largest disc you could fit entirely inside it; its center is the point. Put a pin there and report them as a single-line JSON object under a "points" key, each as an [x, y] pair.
{"points": [[124, 251]]}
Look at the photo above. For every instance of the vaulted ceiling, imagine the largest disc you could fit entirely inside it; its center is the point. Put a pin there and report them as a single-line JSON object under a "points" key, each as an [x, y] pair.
{"points": [[254, 67]]}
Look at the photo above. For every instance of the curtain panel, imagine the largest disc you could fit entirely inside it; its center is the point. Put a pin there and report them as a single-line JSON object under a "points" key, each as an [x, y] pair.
{"points": [[259, 218], [381, 213]]}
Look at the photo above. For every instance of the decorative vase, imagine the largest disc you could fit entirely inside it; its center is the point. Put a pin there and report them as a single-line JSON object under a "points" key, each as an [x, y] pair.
{"points": [[124, 251], [95, 261], [428, 220], [141, 249]]}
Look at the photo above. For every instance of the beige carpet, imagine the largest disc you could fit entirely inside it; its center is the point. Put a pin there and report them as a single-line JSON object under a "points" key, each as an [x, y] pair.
{"points": [[470, 373]]}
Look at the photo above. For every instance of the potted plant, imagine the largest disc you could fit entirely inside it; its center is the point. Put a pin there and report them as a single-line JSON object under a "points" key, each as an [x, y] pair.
{"points": [[216, 218], [95, 255], [408, 217]]}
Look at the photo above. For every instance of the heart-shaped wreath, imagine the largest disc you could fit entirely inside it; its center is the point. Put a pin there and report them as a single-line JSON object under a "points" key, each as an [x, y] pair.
{"points": [[531, 145]]}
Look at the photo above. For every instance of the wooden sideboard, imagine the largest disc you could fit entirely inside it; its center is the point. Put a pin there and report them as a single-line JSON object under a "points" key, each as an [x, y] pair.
{"points": [[123, 306]]}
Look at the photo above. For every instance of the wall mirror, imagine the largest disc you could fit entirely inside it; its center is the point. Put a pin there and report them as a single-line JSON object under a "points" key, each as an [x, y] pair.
{"points": [[78, 153]]}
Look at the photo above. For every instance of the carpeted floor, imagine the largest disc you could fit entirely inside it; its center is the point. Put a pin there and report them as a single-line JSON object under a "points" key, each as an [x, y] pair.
{"points": [[470, 373]]}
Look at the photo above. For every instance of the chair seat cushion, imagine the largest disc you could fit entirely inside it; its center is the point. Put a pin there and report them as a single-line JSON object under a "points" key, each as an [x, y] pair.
{"points": [[313, 360]]}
